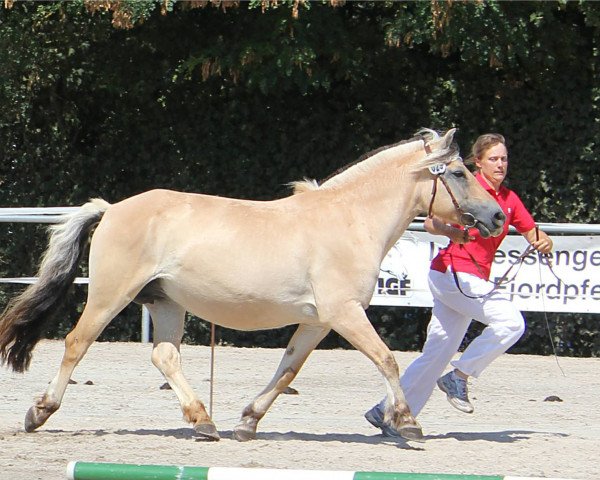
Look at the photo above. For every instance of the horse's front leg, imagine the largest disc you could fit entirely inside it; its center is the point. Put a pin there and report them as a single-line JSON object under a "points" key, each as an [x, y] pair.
{"points": [[168, 319], [351, 322], [303, 342]]}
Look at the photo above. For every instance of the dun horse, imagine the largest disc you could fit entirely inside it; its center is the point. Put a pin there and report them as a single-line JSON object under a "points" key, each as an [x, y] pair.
{"points": [[310, 259]]}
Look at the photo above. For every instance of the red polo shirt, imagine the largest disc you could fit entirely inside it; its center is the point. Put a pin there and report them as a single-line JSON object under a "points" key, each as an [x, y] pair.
{"points": [[483, 249]]}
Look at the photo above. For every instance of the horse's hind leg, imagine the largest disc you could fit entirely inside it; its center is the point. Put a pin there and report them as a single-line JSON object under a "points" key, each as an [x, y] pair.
{"points": [[168, 318], [303, 342], [93, 320]]}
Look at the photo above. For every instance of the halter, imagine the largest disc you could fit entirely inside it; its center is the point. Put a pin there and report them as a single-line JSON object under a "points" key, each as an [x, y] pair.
{"points": [[438, 170]]}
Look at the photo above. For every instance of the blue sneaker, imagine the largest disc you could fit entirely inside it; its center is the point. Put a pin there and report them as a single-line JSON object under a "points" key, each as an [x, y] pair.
{"points": [[375, 418], [455, 389]]}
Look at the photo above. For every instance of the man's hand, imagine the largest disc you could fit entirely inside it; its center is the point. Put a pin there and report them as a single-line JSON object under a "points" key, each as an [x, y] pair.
{"points": [[435, 226], [539, 240]]}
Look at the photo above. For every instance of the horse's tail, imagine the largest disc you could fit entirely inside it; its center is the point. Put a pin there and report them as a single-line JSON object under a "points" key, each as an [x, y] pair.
{"points": [[25, 318]]}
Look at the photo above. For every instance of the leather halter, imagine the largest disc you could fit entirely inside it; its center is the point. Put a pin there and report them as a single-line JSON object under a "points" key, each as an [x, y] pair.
{"points": [[467, 219]]}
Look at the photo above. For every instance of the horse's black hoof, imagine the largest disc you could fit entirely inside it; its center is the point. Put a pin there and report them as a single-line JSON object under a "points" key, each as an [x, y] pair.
{"points": [[207, 431], [243, 434], [31, 421], [411, 433]]}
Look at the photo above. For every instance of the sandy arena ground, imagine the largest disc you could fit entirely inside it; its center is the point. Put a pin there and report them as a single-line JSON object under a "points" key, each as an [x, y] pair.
{"points": [[125, 417]]}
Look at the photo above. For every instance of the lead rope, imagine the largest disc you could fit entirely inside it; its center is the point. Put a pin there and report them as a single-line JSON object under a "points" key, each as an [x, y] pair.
{"points": [[504, 279], [212, 368], [537, 237], [547, 322]]}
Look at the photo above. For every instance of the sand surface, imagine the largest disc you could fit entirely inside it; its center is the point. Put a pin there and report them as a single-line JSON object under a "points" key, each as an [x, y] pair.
{"points": [[125, 417]]}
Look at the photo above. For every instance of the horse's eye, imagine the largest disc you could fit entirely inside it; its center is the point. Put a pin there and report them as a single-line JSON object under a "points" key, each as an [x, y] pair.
{"points": [[458, 173]]}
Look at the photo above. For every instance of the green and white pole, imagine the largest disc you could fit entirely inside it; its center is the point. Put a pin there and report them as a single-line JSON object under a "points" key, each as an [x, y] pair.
{"points": [[123, 471]]}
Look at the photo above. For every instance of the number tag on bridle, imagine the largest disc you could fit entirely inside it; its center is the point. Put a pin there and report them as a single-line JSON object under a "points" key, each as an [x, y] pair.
{"points": [[438, 168]]}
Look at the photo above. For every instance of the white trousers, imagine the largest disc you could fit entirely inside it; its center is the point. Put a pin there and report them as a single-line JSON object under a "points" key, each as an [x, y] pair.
{"points": [[450, 318]]}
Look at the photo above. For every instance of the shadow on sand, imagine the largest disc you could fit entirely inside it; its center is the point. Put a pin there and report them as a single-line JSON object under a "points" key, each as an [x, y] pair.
{"points": [[504, 436]]}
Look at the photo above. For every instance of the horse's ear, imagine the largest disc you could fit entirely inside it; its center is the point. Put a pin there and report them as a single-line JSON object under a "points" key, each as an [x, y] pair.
{"points": [[435, 142], [448, 137]]}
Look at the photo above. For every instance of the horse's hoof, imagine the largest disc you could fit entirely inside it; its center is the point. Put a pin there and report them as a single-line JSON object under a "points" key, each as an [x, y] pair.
{"points": [[31, 421], [207, 431], [242, 434], [411, 433]]}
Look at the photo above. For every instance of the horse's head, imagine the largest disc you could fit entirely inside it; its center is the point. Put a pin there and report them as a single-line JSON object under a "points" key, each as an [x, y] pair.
{"points": [[456, 196]]}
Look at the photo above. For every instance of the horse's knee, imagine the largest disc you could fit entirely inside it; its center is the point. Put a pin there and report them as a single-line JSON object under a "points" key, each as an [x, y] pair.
{"points": [[166, 358]]}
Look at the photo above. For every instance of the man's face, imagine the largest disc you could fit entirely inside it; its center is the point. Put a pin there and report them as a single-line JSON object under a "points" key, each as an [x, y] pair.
{"points": [[493, 164]]}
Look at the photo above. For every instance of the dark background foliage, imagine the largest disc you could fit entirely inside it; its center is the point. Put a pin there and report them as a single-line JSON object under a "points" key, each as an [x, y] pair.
{"points": [[237, 99]]}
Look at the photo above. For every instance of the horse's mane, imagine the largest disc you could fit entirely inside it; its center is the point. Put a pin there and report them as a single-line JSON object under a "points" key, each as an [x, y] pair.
{"points": [[305, 185], [368, 160]]}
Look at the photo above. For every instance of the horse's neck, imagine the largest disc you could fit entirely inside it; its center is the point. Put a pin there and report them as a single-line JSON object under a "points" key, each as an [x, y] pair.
{"points": [[385, 202], [398, 210]]}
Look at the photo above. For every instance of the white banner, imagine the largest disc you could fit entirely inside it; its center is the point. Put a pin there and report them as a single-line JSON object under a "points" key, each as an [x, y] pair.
{"points": [[575, 260]]}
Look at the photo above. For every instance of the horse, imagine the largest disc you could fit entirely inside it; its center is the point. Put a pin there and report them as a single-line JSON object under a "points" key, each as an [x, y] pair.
{"points": [[311, 259]]}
